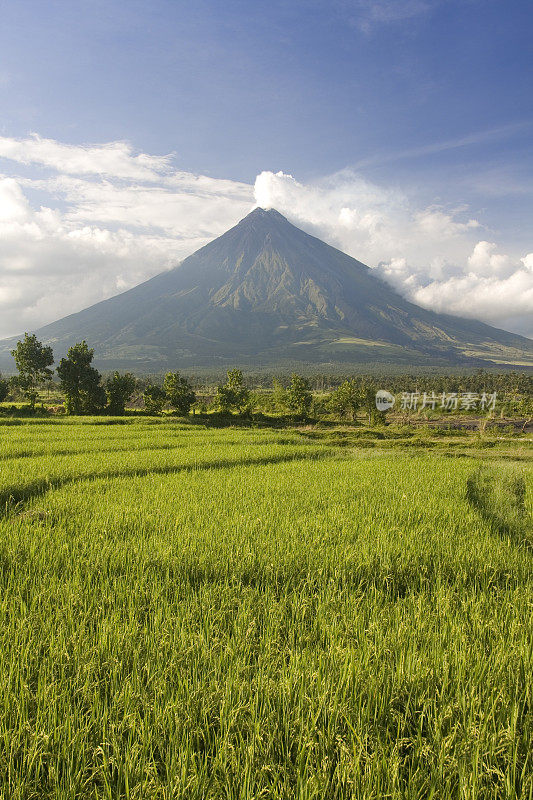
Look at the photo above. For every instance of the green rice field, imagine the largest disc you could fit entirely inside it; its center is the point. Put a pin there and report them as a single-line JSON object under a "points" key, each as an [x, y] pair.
{"points": [[200, 612]]}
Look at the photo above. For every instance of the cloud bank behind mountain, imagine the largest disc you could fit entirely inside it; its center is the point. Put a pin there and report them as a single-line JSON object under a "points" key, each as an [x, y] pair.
{"points": [[79, 224]]}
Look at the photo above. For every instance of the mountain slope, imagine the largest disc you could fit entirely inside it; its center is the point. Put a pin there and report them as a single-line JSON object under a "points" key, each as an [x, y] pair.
{"points": [[265, 292]]}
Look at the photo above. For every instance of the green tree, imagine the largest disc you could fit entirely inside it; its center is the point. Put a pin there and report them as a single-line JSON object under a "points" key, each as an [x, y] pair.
{"points": [[33, 362], [279, 394], [368, 401], [298, 396], [119, 388], [179, 392], [346, 399], [154, 399], [80, 381], [233, 395], [4, 388]]}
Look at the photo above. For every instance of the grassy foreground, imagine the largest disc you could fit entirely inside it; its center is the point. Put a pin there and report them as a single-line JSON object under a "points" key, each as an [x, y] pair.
{"points": [[241, 613]]}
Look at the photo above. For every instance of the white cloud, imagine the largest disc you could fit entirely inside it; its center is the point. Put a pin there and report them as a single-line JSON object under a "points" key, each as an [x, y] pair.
{"points": [[431, 255], [50, 267], [491, 286], [13, 205], [486, 261], [370, 222], [506, 302], [102, 219], [114, 159], [174, 208], [435, 224], [96, 237], [527, 261]]}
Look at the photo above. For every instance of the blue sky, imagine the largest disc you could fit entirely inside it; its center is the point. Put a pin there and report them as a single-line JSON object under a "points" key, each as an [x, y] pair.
{"points": [[428, 103]]}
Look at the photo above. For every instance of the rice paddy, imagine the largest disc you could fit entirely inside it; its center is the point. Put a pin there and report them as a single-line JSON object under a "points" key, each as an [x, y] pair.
{"points": [[192, 612]]}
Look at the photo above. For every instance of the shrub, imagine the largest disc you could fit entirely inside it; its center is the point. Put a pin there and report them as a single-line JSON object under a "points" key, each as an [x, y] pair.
{"points": [[179, 392], [298, 396], [80, 381], [154, 399], [233, 395], [119, 389]]}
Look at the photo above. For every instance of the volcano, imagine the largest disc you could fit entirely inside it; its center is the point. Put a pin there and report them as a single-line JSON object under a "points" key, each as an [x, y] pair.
{"points": [[266, 293]]}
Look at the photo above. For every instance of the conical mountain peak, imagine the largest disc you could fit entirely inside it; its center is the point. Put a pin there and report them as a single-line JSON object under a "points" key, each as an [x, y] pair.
{"points": [[266, 292], [265, 213], [265, 217]]}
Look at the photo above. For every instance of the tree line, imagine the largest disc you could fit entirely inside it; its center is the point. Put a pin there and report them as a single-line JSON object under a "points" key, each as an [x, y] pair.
{"points": [[87, 392], [83, 387]]}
